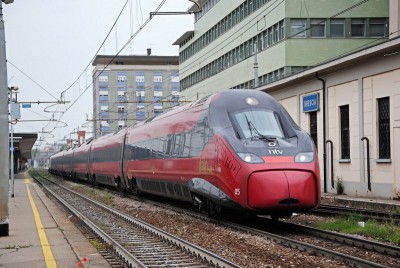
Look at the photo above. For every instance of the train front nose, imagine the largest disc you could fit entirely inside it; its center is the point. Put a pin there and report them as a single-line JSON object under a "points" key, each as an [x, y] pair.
{"points": [[280, 189]]}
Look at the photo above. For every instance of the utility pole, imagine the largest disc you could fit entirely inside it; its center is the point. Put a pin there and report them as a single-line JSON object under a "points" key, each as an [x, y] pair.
{"points": [[255, 66], [4, 155]]}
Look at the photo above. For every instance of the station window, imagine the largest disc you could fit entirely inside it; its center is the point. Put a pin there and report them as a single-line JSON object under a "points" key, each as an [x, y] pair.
{"points": [[344, 132], [314, 127], [384, 128]]}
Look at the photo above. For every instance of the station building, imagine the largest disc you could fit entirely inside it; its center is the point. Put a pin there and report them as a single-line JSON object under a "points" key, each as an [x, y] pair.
{"points": [[128, 89], [307, 54], [285, 36]]}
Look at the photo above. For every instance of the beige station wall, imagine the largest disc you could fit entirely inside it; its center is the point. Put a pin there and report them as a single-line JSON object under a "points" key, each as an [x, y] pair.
{"points": [[339, 95], [383, 173], [375, 87]]}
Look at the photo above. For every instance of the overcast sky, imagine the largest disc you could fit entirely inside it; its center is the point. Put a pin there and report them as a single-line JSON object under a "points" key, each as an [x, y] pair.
{"points": [[53, 41]]}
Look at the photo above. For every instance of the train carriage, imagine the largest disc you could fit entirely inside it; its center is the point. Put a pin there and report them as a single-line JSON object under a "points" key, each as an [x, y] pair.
{"points": [[80, 161], [105, 159]]}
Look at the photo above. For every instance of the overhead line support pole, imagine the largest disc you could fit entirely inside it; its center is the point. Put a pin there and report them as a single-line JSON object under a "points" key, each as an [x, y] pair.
{"points": [[4, 139]]}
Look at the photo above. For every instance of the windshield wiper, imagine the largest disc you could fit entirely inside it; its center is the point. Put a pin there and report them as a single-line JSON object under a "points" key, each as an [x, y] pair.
{"points": [[259, 135], [249, 125]]}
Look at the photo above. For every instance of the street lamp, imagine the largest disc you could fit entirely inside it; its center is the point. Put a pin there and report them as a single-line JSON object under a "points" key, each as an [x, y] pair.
{"points": [[14, 114]]}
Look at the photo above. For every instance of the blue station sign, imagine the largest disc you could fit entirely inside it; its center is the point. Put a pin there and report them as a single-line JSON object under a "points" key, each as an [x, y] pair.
{"points": [[26, 105], [311, 103]]}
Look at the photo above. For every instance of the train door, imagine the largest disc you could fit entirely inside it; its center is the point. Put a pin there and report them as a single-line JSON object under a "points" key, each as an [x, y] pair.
{"points": [[123, 171]]}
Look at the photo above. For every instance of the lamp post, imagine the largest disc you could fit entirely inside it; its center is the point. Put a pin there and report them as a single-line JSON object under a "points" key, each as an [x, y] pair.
{"points": [[14, 114], [4, 156]]}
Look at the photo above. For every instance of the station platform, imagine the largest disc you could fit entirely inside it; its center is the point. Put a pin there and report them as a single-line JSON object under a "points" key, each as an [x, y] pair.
{"points": [[40, 233]]}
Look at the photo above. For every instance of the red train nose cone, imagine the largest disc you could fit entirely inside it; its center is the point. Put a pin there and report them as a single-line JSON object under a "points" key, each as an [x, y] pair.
{"points": [[279, 189]]}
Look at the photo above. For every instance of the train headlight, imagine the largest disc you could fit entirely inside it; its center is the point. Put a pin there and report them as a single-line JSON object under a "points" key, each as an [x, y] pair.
{"points": [[304, 157], [250, 158]]}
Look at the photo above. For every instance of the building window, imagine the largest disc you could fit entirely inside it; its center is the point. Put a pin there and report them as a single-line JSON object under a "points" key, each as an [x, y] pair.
{"points": [[121, 109], [282, 29], [344, 132], [271, 36], [377, 27], [298, 27], [157, 79], [337, 27], [103, 93], [158, 109], [121, 124], [140, 78], [158, 93], [317, 28], [384, 128], [357, 27], [103, 78], [104, 108], [140, 93], [121, 78], [314, 127]]}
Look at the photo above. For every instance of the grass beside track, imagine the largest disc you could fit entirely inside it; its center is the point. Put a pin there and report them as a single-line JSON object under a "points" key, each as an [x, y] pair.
{"points": [[388, 231]]}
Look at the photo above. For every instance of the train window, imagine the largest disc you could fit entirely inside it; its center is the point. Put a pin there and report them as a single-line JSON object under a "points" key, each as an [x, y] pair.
{"points": [[187, 144], [253, 123]]}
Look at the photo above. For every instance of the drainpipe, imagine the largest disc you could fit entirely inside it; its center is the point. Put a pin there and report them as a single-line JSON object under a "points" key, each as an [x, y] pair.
{"points": [[324, 126]]}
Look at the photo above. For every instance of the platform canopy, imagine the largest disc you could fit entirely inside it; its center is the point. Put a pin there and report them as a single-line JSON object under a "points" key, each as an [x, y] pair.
{"points": [[23, 143]]}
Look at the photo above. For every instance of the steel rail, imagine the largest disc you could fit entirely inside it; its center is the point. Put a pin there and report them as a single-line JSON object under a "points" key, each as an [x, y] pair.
{"points": [[367, 213], [343, 238], [194, 250], [119, 249], [310, 248]]}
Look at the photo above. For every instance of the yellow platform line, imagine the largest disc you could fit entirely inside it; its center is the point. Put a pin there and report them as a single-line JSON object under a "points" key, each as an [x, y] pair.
{"points": [[47, 252]]}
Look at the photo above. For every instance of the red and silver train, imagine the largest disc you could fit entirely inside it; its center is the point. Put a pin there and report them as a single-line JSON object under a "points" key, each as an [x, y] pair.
{"points": [[234, 149]]}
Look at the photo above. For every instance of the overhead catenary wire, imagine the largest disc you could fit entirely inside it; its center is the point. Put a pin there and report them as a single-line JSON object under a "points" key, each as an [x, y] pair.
{"points": [[288, 37], [183, 71], [116, 55]]}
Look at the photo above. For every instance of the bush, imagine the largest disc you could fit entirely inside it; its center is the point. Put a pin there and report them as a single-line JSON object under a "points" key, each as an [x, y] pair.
{"points": [[339, 185]]}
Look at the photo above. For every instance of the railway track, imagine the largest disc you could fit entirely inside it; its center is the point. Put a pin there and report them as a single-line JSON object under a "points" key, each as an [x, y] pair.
{"points": [[137, 243], [378, 215], [356, 252]]}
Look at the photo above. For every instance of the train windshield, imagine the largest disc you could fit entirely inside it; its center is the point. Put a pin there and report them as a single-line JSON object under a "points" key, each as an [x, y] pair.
{"points": [[258, 124]]}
